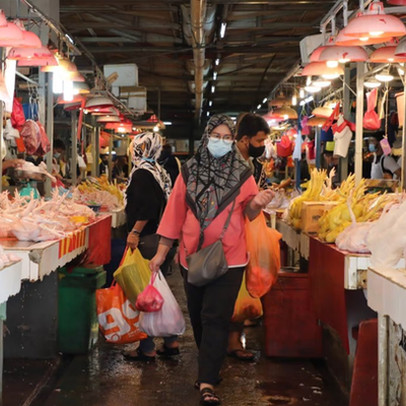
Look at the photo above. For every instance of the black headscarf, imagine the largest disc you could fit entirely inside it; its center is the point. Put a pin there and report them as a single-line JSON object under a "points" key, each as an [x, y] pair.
{"points": [[212, 183]]}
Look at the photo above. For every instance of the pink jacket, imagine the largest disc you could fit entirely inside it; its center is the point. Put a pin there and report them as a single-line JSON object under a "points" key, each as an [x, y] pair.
{"points": [[179, 222]]}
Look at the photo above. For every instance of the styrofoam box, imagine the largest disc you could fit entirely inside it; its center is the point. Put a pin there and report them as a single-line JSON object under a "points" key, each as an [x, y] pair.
{"points": [[127, 74], [308, 45]]}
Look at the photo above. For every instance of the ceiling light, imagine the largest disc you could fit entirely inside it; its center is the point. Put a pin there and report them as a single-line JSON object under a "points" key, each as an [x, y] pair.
{"points": [[321, 83], [68, 90], [57, 83], [330, 76], [28, 53], [265, 100], [208, 114], [343, 54], [301, 93], [10, 35], [223, 29], [98, 101], [285, 113], [214, 75], [259, 106], [320, 68], [213, 89], [372, 84], [156, 129], [294, 100], [385, 55], [168, 122], [217, 62], [343, 39], [332, 64], [384, 76], [376, 24], [312, 89], [210, 103]]}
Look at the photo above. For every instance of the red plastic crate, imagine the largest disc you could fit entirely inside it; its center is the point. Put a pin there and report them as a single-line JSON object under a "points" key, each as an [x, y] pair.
{"points": [[291, 328]]}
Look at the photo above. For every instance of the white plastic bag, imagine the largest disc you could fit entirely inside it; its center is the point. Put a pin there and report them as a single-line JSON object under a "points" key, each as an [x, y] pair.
{"points": [[169, 320]]}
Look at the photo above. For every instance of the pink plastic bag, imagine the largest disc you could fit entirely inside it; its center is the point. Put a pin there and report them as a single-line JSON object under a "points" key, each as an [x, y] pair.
{"points": [[371, 119], [150, 300], [387, 150]]}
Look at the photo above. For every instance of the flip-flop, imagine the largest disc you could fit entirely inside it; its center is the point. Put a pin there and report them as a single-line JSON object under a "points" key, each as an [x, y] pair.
{"points": [[209, 398], [138, 356], [168, 352], [237, 355]]}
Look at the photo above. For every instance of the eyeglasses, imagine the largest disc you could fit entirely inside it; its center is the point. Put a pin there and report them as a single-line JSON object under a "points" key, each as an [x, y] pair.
{"points": [[226, 137]]}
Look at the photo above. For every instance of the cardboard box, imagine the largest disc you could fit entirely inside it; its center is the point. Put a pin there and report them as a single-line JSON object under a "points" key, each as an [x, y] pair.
{"points": [[311, 213]]}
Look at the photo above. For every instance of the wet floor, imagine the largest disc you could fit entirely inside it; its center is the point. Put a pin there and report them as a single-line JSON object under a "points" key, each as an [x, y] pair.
{"points": [[104, 378]]}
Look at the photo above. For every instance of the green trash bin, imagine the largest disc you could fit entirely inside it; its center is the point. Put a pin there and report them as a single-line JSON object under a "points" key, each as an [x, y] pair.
{"points": [[77, 317]]}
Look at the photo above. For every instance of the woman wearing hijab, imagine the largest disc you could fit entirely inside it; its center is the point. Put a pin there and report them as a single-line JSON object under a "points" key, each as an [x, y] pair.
{"points": [[146, 196], [214, 182]]}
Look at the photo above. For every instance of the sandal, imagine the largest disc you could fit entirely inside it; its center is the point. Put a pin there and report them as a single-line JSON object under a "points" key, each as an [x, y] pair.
{"points": [[138, 356], [168, 352], [196, 385], [242, 355], [209, 398]]}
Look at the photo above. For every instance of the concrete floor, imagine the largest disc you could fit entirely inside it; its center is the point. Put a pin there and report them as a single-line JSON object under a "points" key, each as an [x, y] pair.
{"points": [[104, 378]]}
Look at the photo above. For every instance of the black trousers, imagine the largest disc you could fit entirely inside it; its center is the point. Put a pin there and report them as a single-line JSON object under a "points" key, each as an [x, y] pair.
{"points": [[211, 308]]}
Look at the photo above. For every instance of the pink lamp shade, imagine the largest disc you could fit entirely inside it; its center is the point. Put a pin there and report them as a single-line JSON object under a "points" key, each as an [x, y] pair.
{"points": [[3, 19], [10, 35], [344, 54], [108, 119], [315, 56], [77, 99], [320, 68], [102, 111], [29, 39], [386, 55], [98, 102], [374, 23], [50, 61], [345, 40], [28, 53], [397, 2]]}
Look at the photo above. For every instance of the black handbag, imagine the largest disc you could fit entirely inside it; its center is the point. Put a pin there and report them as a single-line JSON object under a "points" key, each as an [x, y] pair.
{"points": [[148, 245], [209, 263]]}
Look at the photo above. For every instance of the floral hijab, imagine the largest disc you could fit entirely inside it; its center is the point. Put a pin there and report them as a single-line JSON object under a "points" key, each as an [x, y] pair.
{"points": [[145, 150], [213, 183]]}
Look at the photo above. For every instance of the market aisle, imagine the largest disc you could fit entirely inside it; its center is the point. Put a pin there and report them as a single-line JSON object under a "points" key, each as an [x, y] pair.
{"points": [[104, 378]]}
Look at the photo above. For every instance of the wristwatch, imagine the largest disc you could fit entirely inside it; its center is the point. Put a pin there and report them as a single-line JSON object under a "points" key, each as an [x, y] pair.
{"points": [[136, 232]]}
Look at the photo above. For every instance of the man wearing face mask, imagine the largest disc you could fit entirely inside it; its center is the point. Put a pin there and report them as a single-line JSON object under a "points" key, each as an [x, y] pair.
{"points": [[252, 131], [383, 166]]}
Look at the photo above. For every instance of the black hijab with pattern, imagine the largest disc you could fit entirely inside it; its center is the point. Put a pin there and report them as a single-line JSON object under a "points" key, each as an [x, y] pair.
{"points": [[213, 183]]}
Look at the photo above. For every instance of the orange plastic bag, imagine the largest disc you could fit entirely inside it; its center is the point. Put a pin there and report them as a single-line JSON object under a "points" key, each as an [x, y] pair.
{"points": [[246, 307], [265, 257], [118, 318]]}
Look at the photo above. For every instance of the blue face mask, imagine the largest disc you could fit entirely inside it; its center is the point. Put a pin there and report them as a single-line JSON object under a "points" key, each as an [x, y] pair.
{"points": [[372, 147], [219, 148]]}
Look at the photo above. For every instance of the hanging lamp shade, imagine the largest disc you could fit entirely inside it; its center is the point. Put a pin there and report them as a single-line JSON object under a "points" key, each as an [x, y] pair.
{"points": [[3, 19], [10, 35], [315, 56], [374, 23], [278, 101], [316, 121], [344, 40], [76, 99], [344, 54], [28, 53], [323, 112], [98, 102], [386, 55], [108, 119], [397, 2], [76, 77], [123, 127], [65, 66], [285, 113], [102, 111], [51, 61], [28, 40], [320, 68]]}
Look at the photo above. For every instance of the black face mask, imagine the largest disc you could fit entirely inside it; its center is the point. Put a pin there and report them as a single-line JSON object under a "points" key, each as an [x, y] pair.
{"points": [[255, 152]]}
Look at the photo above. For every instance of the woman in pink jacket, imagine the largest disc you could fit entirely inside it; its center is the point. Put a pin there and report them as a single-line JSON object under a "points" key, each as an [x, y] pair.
{"points": [[213, 182]]}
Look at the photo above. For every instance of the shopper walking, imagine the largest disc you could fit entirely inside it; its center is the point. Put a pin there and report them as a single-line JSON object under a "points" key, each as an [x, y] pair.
{"points": [[215, 187], [146, 196], [252, 131]]}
